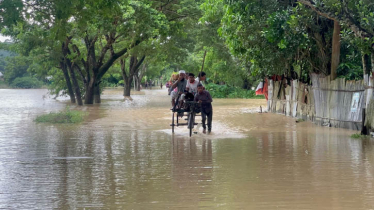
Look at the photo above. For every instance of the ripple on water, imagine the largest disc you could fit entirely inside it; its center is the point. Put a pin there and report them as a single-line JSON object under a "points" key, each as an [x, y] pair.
{"points": [[125, 157]]}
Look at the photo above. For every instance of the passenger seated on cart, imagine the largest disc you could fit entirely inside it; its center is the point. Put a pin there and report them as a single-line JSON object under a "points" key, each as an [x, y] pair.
{"points": [[204, 98], [201, 77], [173, 92], [173, 79], [180, 84], [192, 84]]}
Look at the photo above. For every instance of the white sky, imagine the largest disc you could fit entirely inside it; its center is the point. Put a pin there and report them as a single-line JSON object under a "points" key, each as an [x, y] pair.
{"points": [[3, 38]]}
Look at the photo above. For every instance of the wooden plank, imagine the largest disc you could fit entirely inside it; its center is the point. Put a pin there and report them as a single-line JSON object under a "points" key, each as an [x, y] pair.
{"points": [[295, 84], [270, 95], [288, 91]]}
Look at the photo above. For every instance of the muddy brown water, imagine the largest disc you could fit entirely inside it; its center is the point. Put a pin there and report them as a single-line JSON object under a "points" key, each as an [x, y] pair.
{"points": [[125, 157]]}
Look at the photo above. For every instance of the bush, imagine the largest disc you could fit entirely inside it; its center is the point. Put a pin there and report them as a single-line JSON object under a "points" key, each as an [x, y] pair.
{"points": [[66, 116], [26, 82], [3, 84], [357, 136], [224, 91]]}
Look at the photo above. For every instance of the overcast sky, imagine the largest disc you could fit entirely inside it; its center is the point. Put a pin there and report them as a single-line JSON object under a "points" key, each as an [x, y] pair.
{"points": [[3, 38]]}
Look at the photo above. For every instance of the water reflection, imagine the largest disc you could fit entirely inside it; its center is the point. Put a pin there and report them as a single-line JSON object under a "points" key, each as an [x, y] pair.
{"points": [[122, 159], [192, 172]]}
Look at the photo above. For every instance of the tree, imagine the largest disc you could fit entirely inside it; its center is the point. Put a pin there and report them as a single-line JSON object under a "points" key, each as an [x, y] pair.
{"points": [[128, 76], [16, 67], [358, 16], [290, 38], [108, 31]]}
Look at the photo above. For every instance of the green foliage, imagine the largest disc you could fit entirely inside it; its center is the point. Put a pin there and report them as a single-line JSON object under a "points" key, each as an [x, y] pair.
{"points": [[57, 84], [300, 120], [243, 40], [357, 136], [224, 91], [2, 64], [16, 67], [3, 85], [280, 37], [26, 83], [111, 79], [66, 116], [350, 71], [350, 66], [96, 33]]}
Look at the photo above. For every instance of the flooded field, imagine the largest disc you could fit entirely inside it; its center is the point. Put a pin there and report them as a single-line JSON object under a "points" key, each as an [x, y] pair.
{"points": [[124, 156]]}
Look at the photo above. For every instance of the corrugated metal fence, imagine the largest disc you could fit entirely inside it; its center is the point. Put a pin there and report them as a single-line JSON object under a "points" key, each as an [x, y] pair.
{"points": [[335, 103]]}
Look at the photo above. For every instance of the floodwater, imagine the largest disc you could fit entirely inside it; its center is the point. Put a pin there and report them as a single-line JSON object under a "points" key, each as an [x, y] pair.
{"points": [[124, 156]]}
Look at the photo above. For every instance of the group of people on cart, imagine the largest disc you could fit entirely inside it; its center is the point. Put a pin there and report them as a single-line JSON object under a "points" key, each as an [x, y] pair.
{"points": [[185, 87]]}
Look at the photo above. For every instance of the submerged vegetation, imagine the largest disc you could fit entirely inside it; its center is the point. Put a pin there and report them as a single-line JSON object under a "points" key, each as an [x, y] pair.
{"points": [[65, 116], [299, 120], [358, 136]]}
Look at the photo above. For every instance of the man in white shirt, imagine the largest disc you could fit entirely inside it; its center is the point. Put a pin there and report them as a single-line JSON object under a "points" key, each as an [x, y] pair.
{"points": [[192, 84], [201, 77]]}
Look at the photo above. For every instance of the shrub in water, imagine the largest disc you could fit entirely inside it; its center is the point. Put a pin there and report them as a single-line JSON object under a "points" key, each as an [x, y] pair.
{"points": [[356, 136], [66, 116], [26, 82]]}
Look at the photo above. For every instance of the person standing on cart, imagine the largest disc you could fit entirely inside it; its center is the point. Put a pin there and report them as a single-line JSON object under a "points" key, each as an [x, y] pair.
{"points": [[204, 98]]}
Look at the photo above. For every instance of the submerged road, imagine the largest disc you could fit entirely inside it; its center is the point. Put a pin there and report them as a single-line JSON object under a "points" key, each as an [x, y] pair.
{"points": [[125, 157]]}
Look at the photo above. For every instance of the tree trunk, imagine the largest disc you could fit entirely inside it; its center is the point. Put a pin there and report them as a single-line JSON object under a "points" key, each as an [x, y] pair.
{"points": [[135, 82], [77, 90], [365, 63], [372, 62], [138, 83], [89, 96], [66, 52], [127, 87], [335, 57], [140, 75], [202, 66], [97, 93], [246, 84], [68, 83], [133, 70]]}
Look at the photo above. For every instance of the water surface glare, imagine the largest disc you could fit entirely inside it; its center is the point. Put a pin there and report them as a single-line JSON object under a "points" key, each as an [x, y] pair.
{"points": [[125, 157]]}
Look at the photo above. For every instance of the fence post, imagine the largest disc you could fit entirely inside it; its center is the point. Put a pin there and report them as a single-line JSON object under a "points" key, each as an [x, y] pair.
{"points": [[364, 130], [369, 91]]}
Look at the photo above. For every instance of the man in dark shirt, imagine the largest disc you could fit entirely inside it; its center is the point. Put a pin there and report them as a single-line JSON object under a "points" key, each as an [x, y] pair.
{"points": [[205, 99], [181, 82]]}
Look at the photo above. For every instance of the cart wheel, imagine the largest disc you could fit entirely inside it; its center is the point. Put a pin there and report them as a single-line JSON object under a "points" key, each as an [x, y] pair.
{"points": [[191, 122], [190, 131], [172, 123]]}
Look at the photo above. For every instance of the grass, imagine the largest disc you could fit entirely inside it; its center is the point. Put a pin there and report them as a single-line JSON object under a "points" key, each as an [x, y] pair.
{"points": [[66, 116], [358, 136], [300, 120]]}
